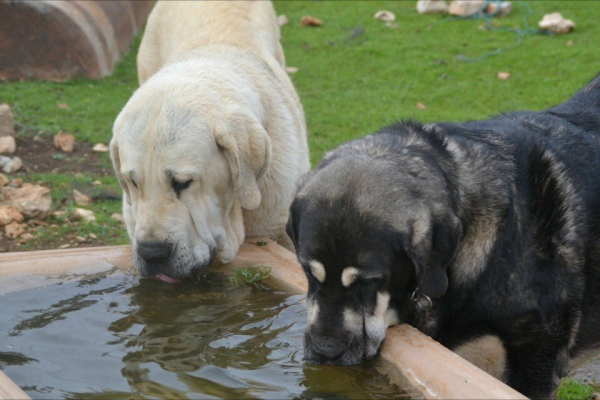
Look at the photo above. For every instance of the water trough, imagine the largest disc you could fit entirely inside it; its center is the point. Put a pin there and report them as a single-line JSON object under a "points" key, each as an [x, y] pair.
{"points": [[413, 359]]}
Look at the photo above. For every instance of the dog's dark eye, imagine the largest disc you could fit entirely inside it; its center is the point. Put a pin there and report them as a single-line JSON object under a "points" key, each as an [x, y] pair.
{"points": [[179, 186]]}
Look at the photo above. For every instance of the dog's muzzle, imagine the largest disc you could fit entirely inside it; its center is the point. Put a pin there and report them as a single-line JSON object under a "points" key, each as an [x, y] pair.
{"points": [[159, 260], [325, 350]]}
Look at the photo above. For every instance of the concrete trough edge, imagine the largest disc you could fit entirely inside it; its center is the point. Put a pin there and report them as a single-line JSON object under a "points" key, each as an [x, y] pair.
{"points": [[421, 362]]}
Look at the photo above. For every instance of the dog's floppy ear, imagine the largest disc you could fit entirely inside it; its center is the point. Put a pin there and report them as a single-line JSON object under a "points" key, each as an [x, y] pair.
{"points": [[432, 248], [116, 160], [248, 150]]}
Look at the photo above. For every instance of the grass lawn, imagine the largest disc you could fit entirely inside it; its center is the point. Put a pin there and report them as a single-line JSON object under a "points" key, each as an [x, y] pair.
{"points": [[356, 74]]}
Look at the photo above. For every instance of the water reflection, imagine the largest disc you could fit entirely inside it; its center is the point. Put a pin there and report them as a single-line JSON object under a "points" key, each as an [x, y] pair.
{"points": [[119, 337]]}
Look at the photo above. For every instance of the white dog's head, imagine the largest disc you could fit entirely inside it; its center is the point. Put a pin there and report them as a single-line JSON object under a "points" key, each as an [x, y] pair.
{"points": [[188, 158]]}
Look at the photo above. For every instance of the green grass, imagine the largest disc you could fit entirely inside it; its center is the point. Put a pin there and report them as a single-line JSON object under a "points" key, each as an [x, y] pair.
{"points": [[250, 275], [354, 86], [94, 105], [570, 389]]}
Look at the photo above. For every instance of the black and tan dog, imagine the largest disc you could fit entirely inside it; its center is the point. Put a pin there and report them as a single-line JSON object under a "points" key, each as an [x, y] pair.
{"points": [[483, 235]]}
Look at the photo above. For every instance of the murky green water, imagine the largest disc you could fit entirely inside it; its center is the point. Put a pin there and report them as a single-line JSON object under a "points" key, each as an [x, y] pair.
{"points": [[117, 336]]}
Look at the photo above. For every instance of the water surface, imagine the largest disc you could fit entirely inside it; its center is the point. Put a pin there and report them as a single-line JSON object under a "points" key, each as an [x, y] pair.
{"points": [[117, 336]]}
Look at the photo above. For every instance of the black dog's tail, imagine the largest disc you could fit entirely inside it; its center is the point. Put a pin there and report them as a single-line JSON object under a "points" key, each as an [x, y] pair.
{"points": [[583, 109]]}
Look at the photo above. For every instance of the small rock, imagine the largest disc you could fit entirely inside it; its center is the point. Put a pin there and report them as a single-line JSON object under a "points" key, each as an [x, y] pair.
{"points": [[36, 222], [291, 70], [392, 25], [17, 183], [4, 160], [79, 214], [13, 165], [65, 142], [309, 20], [385, 15], [64, 246], [595, 396], [54, 226], [570, 43], [27, 236], [118, 217], [59, 214], [8, 144], [80, 239], [7, 124], [3, 181], [555, 23], [504, 8], [92, 236], [82, 199], [13, 230], [33, 201], [96, 183], [465, 8], [63, 106], [283, 20], [9, 214], [432, 7], [421, 106], [100, 148], [503, 76]]}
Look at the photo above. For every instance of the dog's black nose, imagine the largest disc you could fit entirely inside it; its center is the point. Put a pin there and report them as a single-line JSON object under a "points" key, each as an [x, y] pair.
{"points": [[328, 348], [154, 251]]}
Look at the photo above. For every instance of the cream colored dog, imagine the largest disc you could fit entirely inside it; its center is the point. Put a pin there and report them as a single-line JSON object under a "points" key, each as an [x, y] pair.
{"points": [[210, 146]]}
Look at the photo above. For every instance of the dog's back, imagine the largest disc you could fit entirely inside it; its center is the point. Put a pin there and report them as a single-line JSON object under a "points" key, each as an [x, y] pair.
{"points": [[177, 27]]}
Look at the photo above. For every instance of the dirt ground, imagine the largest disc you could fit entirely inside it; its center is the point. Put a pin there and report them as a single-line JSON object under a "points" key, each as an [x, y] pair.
{"points": [[39, 155]]}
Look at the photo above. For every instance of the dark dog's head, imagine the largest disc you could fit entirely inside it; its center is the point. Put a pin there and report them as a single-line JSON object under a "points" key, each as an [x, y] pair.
{"points": [[368, 230]]}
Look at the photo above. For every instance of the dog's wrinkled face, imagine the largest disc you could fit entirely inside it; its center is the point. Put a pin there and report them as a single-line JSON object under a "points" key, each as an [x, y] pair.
{"points": [[181, 194], [365, 243]]}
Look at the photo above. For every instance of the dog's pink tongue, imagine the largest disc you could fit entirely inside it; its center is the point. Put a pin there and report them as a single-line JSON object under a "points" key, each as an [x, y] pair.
{"points": [[164, 278]]}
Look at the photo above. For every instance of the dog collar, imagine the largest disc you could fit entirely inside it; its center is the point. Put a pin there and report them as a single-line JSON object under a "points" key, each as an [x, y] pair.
{"points": [[420, 300]]}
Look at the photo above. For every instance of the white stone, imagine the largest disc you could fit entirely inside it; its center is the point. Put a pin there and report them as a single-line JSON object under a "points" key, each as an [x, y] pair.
{"points": [[27, 236], [3, 181], [504, 9], [385, 15], [65, 142], [79, 214], [8, 144], [556, 23], [100, 148], [33, 201], [465, 8], [14, 165], [432, 7], [9, 214], [82, 199], [4, 160], [13, 230], [7, 124], [118, 217], [283, 20]]}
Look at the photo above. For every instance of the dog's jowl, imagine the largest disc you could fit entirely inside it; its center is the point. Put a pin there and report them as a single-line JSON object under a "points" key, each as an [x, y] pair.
{"points": [[483, 235]]}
